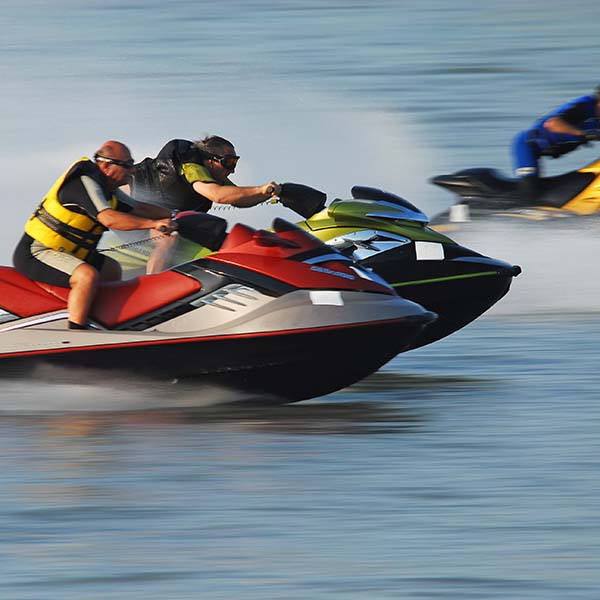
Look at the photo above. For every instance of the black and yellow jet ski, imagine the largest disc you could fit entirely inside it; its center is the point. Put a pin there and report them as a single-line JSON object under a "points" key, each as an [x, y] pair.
{"points": [[485, 193]]}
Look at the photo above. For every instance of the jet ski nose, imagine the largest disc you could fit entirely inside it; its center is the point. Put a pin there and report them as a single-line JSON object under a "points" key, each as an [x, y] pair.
{"points": [[450, 180], [515, 270], [439, 179], [509, 271]]}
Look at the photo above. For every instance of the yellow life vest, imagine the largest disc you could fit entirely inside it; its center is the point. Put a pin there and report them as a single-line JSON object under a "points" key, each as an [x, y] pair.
{"points": [[62, 229]]}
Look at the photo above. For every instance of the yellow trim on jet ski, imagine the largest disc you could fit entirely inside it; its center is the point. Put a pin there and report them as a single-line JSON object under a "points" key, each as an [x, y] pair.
{"points": [[439, 279], [588, 201]]}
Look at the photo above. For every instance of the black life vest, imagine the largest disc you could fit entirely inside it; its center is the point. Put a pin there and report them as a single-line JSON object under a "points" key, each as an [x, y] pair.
{"points": [[158, 180]]}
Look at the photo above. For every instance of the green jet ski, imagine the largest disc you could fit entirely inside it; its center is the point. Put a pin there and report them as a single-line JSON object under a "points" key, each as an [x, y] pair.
{"points": [[387, 234]]}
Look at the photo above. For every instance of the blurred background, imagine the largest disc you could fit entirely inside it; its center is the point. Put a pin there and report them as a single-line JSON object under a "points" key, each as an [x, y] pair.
{"points": [[465, 469]]}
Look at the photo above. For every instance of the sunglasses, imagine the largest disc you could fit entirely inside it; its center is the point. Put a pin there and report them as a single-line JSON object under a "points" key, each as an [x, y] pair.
{"points": [[127, 164], [228, 162]]}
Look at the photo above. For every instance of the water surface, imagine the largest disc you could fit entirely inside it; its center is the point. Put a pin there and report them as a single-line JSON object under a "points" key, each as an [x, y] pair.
{"points": [[466, 469]]}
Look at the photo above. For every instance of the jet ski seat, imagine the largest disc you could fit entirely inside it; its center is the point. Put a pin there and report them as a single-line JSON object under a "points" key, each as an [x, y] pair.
{"points": [[120, 301], [477, 182], [24, 297], [116, 302]]}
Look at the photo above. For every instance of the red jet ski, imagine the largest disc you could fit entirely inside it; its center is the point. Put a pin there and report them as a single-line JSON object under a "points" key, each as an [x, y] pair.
{"points": [[276, 313]]}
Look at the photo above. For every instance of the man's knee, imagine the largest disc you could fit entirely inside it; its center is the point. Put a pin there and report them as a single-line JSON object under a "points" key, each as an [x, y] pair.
{"points": [[85, 276]]}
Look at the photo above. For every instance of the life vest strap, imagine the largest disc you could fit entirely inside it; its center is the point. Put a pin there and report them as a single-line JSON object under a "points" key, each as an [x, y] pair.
{"points": [[82, 239]]}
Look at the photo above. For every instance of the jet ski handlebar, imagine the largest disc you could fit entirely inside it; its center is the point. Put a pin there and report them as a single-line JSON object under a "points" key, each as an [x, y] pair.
{"points": [[165, 229], [210, 230]]}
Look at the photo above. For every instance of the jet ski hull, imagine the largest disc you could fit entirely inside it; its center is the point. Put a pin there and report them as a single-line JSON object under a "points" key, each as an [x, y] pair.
{"points": [[274, 366], [458, 300], [459, 286]]}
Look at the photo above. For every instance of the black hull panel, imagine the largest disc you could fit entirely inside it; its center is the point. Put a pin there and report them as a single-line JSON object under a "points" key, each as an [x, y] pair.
{"points": [[289, 366], [456, 302], [459, 291]]}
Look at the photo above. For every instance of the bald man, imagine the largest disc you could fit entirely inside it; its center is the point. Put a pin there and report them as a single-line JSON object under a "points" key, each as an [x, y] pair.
{"points": [[60, 239]]}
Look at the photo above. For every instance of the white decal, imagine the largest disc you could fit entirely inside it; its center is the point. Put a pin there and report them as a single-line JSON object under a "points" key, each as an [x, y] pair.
{"points": [[429, 251], [322, 297]]}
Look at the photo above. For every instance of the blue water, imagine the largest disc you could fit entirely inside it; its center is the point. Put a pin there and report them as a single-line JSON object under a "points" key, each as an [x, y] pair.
{"points": [[466, 469]]}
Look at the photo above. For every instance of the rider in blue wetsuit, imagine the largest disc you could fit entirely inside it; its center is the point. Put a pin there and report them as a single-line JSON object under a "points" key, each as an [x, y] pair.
{"points": [[571, 125]]}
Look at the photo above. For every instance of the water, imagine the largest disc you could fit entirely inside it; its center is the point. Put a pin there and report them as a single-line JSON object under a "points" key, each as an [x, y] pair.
{"points": [[466, 469], [462, 470]]}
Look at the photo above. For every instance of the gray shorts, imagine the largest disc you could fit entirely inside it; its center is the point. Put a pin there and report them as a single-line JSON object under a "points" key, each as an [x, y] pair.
{"points": [[61, 261], [40, 263]]}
